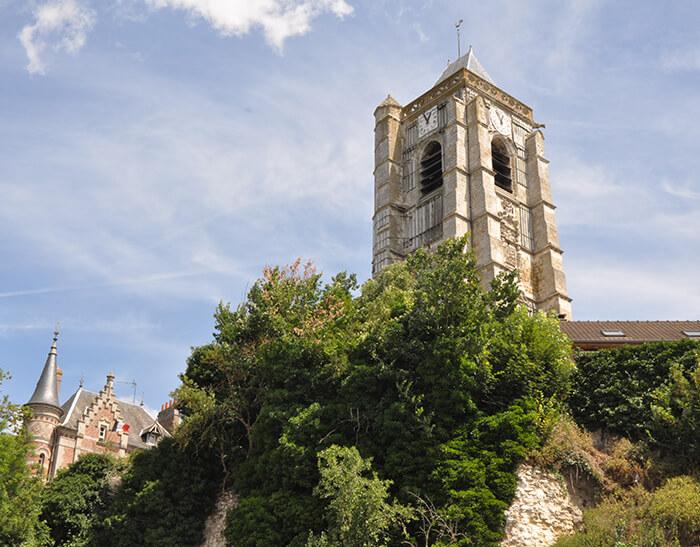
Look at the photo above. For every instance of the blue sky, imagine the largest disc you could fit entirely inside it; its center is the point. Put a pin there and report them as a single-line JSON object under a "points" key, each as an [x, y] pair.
{"points": [[156, 154]]}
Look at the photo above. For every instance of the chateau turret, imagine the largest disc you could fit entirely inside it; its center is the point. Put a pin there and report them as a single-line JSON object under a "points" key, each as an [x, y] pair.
{"points": [[46, 413]]}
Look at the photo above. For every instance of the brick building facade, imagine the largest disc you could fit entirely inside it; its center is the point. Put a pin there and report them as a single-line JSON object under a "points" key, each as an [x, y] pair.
{"points": [[88, 422]]}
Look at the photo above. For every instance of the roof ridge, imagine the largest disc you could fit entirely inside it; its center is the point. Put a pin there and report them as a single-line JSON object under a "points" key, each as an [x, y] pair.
{"points": [[631, 321]]}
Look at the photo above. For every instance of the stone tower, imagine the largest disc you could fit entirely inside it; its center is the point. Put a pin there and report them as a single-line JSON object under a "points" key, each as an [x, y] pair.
{"points": [[46, 414], [467, 157]]}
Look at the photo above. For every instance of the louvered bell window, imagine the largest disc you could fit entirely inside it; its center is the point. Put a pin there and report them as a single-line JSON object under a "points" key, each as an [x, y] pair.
{"points": [[431, 168], [501, 165]]}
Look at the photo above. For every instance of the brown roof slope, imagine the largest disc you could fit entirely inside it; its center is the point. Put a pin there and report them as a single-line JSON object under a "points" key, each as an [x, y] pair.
{"points": [[134, 415], [591, 333]]}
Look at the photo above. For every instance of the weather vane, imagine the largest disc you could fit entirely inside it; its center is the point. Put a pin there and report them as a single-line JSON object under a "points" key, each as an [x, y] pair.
{"points": [[458, 26]]}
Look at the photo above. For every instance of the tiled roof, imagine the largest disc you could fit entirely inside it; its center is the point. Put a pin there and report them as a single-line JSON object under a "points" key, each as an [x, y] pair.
{"points": [[134, 415], [588, 334]]}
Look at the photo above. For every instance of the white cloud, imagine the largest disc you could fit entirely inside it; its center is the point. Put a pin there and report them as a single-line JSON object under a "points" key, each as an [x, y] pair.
{"points": [[113, 325], [687, 60], [682, 191], [632, 288], [279, 19], [602, 199], [61, 25]]}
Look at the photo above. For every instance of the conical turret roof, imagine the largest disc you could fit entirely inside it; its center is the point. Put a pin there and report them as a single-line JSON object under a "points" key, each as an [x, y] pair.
{"points": [[46, 392], [468, 61]]}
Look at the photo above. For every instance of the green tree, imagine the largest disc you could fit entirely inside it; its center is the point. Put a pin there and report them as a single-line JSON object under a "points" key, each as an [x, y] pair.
{"points": [[73, 499], [440, 382], [358, 511], [19, 491], [675, 423], [614, 389], [163, 499]]}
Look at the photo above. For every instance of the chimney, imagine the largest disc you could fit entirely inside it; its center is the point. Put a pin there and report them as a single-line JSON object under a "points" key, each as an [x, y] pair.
{"points": [[169, 416], [109, 386]]}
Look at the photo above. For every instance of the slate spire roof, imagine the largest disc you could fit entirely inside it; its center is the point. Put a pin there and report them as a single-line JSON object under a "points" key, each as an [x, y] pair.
{"points": [[46, 391], [468, 61]]}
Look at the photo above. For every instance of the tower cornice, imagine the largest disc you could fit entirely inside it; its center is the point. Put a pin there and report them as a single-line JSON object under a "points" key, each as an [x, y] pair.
{"points": [[454, 82]]}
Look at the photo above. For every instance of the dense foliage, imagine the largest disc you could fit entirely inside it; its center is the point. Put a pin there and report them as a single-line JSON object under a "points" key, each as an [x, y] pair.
{"points": [[675, 424], [392, 413], [19, 491], [73, 499], [163, 500], [615, 389], [439, 382]]}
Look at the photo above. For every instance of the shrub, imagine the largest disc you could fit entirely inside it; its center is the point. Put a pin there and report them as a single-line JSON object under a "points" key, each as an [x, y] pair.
{"points": [[667, 517], [614, 389], [75, 496], [675, 422]]}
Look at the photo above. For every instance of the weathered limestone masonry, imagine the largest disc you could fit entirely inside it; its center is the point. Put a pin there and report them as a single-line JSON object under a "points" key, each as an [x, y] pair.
{"points": [[468, 157], [542, 510]]}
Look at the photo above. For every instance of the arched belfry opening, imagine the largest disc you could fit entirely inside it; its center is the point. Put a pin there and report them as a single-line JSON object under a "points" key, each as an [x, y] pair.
{"points": [[431, 167], [500, 160]]}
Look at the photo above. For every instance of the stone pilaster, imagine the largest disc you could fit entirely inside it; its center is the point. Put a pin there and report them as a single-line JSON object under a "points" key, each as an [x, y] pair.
{"points": [[455, 179], [485, 204], [548, 279], [387, 182]]}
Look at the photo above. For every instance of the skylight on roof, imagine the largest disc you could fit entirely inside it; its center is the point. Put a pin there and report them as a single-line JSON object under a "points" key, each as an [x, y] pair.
{"points": [[612, 333], [692, 333]]}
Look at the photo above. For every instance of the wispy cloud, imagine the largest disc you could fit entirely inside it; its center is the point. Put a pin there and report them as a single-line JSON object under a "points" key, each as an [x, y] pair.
{"points": [[631, 289], [684, 60], [279, 19], [60, 25], [104, 326], [683, 191], [123, 283], [63, 25]]}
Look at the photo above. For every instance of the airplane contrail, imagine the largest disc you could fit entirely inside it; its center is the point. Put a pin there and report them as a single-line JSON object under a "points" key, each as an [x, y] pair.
{"points": [[120, 283]]}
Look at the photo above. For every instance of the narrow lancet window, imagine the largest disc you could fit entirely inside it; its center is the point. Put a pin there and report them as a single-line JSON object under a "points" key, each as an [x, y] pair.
{"points": [[501, 165], [431, 168]]}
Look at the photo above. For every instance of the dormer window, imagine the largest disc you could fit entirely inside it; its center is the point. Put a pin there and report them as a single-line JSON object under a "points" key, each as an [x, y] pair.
{"points": [[431, 168], [500, 159], [152, 434]]}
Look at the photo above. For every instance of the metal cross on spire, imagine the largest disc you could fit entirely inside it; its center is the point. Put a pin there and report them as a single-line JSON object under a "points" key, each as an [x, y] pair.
{"points": [[458, 26]]}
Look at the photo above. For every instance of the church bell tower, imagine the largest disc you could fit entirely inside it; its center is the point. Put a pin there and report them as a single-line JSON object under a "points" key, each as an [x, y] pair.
{"points": [[467, 157]]}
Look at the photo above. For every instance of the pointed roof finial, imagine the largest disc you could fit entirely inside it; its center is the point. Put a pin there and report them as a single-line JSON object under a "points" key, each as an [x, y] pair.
{"points": [[458, 26], [56, 332], [468, 61], [46, 391]]}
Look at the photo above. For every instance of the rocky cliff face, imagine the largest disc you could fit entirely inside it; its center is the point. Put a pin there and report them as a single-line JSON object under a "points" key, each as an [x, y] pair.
{"points": [[543, 510], [216, 522]]}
